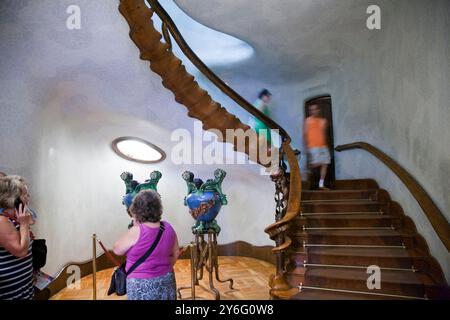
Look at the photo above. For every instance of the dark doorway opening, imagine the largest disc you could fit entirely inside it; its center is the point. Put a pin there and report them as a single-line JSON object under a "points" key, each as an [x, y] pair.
{"points": [[325, 106]]}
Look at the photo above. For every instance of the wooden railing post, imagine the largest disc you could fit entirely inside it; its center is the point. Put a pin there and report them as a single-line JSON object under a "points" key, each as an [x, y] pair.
{"points": [[281, 196]]}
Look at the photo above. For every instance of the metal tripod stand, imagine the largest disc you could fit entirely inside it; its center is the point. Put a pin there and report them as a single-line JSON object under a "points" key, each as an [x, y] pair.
{"points": [[204, 255]]}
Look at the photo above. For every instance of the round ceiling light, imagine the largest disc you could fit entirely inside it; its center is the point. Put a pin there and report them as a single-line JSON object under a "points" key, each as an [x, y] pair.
{"points": [[138, 150]]}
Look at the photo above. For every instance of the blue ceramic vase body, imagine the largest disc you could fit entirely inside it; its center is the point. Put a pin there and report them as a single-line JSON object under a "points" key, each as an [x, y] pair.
{"points": [[204, 200], [204, 206]]}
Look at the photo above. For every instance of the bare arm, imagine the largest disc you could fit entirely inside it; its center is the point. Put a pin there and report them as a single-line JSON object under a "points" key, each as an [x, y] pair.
{"points": [[16, 242], [325, 130], [304, 133], [175, 252], [126, 241]]}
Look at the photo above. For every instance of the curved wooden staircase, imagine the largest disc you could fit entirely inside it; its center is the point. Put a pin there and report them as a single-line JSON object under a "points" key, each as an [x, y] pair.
{"points": [[340, 233], [325, 240]]}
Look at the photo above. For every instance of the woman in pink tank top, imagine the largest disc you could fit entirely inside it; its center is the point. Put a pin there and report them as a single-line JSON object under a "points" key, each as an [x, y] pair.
{"points": [[153, 279]]}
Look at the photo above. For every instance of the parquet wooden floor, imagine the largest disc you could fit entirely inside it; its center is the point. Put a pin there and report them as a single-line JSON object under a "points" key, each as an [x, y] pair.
{"points": [[251, 277]]}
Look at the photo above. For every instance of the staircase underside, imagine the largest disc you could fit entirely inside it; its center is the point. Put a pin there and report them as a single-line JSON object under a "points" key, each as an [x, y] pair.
{"points": [[341, 232]]}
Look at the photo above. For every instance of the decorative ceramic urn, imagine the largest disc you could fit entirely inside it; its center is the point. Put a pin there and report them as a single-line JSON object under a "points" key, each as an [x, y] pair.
{"points": [[204, 200], [133, 187]]}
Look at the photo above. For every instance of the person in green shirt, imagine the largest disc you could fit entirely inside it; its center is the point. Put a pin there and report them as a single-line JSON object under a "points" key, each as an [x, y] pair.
{"points": [[262, 104]]}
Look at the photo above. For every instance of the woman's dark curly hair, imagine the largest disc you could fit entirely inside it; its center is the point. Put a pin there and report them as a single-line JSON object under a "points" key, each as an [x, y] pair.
{"points": [[146, 206]]}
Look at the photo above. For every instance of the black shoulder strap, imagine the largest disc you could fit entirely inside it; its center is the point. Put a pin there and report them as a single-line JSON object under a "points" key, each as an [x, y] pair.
{"points": [[149, 251]]}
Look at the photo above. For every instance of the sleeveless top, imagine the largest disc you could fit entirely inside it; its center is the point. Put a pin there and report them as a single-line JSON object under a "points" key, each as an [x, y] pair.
{"points": [[158, 263], [16, 274], [315, 132]]}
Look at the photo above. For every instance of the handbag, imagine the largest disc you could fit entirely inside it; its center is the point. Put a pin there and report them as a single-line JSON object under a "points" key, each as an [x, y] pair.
{"points": [[39, 252], [119, 278]]}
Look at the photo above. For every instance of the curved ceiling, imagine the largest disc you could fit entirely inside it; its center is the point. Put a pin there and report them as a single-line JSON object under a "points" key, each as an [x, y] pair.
{"points": [[213, 47], [294, 40]]}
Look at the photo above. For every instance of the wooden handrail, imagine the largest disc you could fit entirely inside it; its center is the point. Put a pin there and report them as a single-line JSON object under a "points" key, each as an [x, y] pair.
{"points": [[219, 83], [434, 215]]}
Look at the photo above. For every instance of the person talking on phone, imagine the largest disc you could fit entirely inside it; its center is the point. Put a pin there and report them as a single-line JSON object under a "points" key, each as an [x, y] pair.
{"points": [[33, 214], [16, 261]]}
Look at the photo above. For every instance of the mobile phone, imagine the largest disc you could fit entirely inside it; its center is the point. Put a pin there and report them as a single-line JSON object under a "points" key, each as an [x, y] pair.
{"points": [[17, 203]]}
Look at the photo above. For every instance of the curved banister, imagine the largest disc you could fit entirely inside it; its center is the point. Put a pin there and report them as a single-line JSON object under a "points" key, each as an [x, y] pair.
{"points": [[219, 83], [293, 205], [434, 215]]}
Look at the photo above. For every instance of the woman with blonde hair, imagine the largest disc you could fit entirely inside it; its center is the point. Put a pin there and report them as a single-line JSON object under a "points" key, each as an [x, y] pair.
{"points": [[16, 262]]}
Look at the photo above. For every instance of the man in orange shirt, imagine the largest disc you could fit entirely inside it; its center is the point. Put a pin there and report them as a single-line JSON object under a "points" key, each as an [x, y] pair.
{"points": [[314, 133]]}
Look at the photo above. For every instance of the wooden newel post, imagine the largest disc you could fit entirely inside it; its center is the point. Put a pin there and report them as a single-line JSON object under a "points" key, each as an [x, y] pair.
{"points": [[281, 198], [280, 256]]}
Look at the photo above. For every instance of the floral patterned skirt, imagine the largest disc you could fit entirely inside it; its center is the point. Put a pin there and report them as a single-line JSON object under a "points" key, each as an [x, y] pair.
{"points": [[159, 288]]}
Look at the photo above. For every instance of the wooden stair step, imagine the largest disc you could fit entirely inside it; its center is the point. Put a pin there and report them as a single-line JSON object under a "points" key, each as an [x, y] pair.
{"points": [[341, 206], [382, 257], [370, 252], [353, 233], [355, 184], [387, 276], [378, 237], [318, 294], [392, 281], [340, 195], [313, 214], [347, 220]]}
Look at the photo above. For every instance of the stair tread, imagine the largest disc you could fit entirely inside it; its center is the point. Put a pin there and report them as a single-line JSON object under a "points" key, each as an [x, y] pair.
{"points": [[356, 233], [341, 202], [311, 294], [387, 276], [339, 191], [349, 216], [355, 184], [366, 252]]}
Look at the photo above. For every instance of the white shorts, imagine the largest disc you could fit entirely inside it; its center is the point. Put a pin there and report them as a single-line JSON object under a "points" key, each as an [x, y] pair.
{"points": [[319, 155]]}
